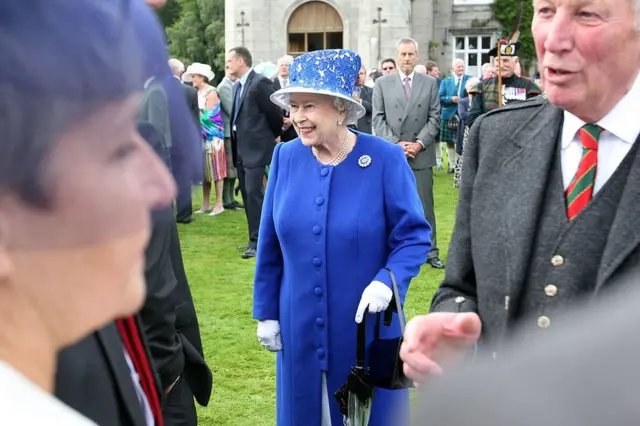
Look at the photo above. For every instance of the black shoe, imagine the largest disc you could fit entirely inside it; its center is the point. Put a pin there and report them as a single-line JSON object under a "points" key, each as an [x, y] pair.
{"points": [[249, 253], [435, 263], [186, 220], [237, 190]]}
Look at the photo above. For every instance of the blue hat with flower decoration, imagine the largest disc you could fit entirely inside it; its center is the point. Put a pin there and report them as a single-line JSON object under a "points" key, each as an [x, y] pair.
{"points": [[331, 72]]}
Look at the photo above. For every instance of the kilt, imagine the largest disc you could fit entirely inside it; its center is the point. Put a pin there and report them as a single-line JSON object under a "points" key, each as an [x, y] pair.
{"points": [[446, 135]]}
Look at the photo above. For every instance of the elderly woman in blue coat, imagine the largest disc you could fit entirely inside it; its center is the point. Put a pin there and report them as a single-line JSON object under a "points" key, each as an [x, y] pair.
{"points": [[340, 207]]}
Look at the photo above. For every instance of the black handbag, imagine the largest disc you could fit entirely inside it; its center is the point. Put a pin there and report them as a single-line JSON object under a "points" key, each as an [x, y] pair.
{"points": [[385, 363], [453, 123]]}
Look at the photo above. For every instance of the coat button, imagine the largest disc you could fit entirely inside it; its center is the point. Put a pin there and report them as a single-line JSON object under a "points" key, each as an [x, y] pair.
{"points": [[320, 353], [319, 322], [324, 172], [319, 201], [544, 322], [557, 260], [317, 230], [317, 261], [318, 291], [551, 290]]}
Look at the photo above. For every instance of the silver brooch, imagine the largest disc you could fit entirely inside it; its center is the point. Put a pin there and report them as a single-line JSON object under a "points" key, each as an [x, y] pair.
{"points": [[364, 161]]}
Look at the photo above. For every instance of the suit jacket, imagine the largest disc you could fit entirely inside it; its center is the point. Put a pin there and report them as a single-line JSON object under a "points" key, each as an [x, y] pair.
{"points": [[448, 89], [561, 371], [366, 98], [258, 123], [501, 198], [93, 378], [290, 133], [225, 92], [191, 95], [154, 109], [396, 119]]}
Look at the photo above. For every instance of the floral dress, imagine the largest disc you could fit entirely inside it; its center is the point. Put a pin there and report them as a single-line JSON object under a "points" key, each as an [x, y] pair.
{"points": [[215, 164]]}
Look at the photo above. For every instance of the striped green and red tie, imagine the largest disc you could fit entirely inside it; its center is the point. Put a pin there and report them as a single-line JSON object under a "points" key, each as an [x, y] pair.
{"points": [[580, 190]]}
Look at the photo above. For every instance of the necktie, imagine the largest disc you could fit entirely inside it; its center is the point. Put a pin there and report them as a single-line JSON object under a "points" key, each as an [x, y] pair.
{"points": [[236, 100], [407, 87], [580, 190], [133, 345], [285, 83]]}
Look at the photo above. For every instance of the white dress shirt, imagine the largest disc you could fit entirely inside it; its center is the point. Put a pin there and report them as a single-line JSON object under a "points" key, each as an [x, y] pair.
{"points": [[403, 76], [621, 129], [142, 398], [24, 403]]}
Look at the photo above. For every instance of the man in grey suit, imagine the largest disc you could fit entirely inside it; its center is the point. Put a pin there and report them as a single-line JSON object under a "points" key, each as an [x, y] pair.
{"points": [[225, 92], [406, 111], [549, 200], [154, 109]]}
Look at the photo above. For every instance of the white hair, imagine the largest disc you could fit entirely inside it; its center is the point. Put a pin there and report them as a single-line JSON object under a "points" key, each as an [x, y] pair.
{"points": [[420, 68], [288, 59], [342, 105], [408, 40], [471, 82], [457, 61], [486, 66], [176, 66]]}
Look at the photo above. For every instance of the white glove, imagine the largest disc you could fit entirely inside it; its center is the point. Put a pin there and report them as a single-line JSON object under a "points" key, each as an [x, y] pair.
{"points": [[376, 296], [269, 335]]}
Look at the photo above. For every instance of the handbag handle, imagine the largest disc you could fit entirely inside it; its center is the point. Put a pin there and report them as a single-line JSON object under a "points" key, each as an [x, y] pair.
{"points": [[398, 305], [361, 340]]}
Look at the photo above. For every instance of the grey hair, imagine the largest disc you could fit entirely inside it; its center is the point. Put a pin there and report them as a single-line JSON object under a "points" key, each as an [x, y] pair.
{"points": [[456, 61], [342, 105], [285, 59], [471, 82], [176, 66], [420, 68], [486, 66], [408, 40]]}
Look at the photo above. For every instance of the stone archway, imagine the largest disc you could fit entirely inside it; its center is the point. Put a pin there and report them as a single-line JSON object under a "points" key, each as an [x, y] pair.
{"points": [[314, 25]]}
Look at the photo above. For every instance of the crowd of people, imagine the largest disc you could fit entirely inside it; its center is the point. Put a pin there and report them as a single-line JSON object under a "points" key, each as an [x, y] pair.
{"points": [[335, 172]]}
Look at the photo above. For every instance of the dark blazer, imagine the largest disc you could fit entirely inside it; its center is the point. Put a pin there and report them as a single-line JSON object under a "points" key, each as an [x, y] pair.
{"points": [[366, 97], [93, 378], [290, 133], [504, 182], [258, 123], [191, 94]]}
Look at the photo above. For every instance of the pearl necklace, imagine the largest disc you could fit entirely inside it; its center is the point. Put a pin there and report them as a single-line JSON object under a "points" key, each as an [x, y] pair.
{"points": [[342, 154]]}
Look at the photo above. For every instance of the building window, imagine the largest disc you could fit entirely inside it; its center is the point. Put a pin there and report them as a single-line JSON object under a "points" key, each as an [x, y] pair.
{"points": [[474, 51]]}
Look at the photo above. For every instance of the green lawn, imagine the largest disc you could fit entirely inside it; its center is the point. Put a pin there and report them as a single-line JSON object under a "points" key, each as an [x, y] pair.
{"points": [[221, 282]]}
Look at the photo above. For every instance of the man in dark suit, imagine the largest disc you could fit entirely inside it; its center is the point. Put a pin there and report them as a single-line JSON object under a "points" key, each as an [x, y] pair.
{"points": [[537, 229], [256, 123], [183, 155], [406, 111], [364, 95], [282, 81]]}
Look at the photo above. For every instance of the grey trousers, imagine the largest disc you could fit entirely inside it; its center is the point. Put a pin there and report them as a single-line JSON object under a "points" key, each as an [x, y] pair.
{"points": [[424, 182]]}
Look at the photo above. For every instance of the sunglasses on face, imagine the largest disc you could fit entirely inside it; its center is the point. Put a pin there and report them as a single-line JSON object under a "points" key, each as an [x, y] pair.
{"points": [[388, 68]]}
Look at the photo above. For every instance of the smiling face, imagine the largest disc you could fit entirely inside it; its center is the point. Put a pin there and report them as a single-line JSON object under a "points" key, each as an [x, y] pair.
{"points": [[79, 262], [588, 51], [316, 119], [506, 65]]}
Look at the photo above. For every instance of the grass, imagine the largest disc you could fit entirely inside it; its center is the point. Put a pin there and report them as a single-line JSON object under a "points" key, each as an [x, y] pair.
{"points": [[222, 284]]}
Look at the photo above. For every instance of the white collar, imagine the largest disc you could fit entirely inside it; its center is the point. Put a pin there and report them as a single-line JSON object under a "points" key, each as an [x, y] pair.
{"points": [[622, 120], [148, 82], [403, 75]]}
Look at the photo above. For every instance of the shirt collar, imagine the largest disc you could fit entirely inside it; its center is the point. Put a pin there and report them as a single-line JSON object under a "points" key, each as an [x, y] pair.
{"points": [[148, 82], [403, 75], [622, 120], [244, 78]]}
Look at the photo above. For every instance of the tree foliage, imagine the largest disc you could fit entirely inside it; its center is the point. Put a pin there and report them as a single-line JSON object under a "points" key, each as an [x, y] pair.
{"points": [[505, 11], [198, 34]]}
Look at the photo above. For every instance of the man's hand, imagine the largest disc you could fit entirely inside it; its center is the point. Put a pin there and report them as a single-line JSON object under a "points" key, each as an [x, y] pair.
{"points": [[286, 122], [454, 99], [278, 139], [413, 149], [433, 340]]}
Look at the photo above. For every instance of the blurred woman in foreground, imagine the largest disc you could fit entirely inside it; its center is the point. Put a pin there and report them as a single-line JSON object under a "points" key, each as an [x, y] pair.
{"points": [[77, 186]]}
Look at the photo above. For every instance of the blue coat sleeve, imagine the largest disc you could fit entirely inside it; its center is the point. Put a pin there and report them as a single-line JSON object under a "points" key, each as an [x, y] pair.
{"points": [[409, 234], [269, 262]]}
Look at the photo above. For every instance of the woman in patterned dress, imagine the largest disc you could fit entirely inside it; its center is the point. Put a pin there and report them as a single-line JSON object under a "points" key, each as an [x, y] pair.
{"points": [[215, 164], [463, 130]]}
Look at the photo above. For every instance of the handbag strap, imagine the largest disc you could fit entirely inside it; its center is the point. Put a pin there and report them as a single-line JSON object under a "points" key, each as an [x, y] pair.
{"points": [[361, 340], [396, 296]]}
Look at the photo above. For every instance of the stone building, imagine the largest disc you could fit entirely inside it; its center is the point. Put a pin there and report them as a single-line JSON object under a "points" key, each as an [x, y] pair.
{"points": [[444, 29]]}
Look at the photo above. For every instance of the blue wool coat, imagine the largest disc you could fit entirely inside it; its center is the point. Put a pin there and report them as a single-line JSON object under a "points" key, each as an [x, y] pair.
{"points": [[326, 232]]}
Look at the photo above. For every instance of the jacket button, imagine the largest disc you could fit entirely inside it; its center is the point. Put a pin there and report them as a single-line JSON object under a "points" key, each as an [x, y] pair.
{"points": [[551, 290], [317, 261], [318, 291], [544, 322], [557, 260], [319, 322], [324, 172], [320, 353], [317, 230], [319, 201]]}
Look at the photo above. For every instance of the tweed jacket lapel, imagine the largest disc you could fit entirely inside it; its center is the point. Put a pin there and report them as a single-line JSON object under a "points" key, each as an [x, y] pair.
{"points": [[524, 177], [624, 236]]}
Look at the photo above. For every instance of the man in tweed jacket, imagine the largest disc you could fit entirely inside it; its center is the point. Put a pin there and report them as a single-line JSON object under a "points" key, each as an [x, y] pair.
{"points": [[549, 200]]}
